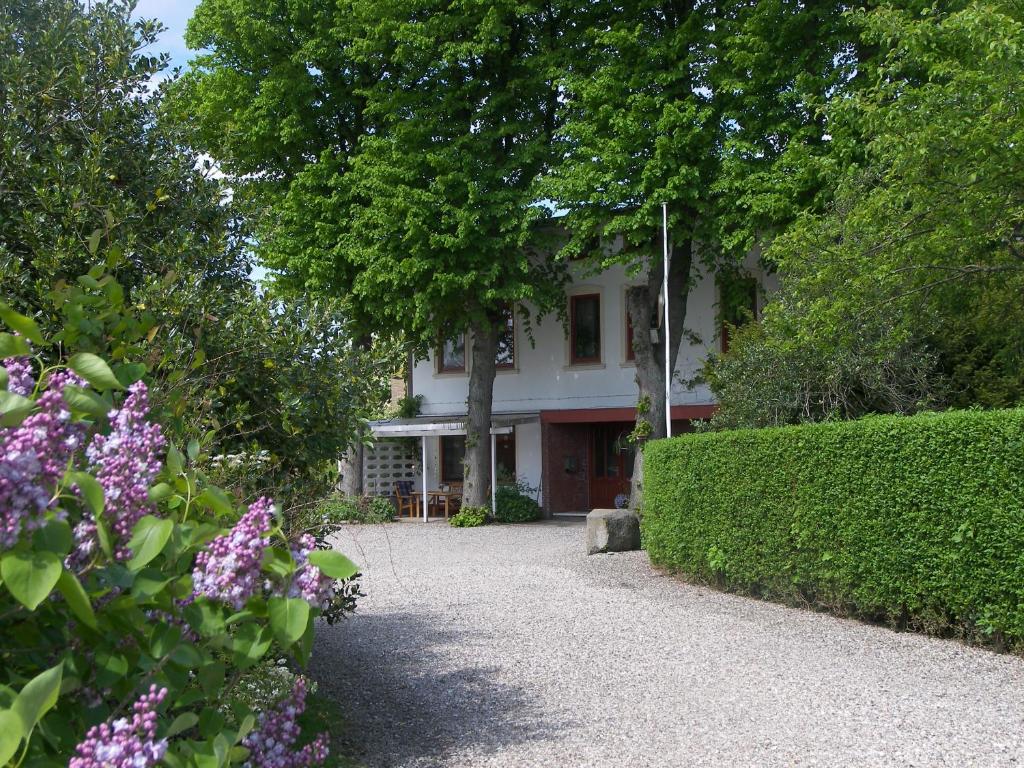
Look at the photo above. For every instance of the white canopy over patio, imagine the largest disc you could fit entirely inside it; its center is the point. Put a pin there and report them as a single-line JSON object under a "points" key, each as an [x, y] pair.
{"points": [[455, 424]]}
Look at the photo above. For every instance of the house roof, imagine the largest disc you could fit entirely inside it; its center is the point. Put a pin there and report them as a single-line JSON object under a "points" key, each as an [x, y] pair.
{"points": [[454, 424]]}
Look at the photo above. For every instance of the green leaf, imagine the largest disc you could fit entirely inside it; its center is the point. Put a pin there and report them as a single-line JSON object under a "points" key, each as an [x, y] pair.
{"points": [[159, 492], [333, 564], [278, 560], [182, 723], [165, 638], [26, 326], [14, 408], [211, 677], [211, 722], [5, 378], [86, 401], [91, 490], [13, 346], [38, 697], [103, 534], [11, 734], [149, 538], [250, 644], [54, 537], [94, 370], [94, 241], [192, 449], [148, 583], [289, 617], [30, 576], [78, 600], [175, 462], [215, 499], [129, 373]]}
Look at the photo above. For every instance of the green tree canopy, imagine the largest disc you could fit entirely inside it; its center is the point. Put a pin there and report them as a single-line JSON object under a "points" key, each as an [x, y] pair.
{"points": [[396, 147], [917, 265]]}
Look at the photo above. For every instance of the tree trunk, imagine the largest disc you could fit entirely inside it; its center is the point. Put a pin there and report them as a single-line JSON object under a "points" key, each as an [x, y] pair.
{"points": [[476, 486], [642, 305], [351, 471]]}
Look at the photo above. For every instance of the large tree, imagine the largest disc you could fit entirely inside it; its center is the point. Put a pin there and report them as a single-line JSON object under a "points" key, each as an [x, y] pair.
{"points": [[673, 103], [917, 267], [398, 145], [85, 149]]}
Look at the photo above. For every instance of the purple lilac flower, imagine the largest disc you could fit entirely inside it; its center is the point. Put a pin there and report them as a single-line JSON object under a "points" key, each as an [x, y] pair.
{"points": [[33, 457], [125, 743], [125, 463], [20, 380], [309, 582], [271, 743], [229, 569]]}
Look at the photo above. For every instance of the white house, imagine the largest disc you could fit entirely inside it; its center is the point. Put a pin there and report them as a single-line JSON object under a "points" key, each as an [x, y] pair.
{"points": [[563, 405]]}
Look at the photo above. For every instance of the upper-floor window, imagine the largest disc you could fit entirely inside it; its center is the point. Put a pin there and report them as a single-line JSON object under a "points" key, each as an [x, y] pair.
{"points": [[506, 355], [585, 322], [451, 357]]}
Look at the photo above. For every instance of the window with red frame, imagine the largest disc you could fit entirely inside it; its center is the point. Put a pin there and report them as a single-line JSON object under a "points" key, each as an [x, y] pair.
{"points": [[451, 357], [585, 321]]}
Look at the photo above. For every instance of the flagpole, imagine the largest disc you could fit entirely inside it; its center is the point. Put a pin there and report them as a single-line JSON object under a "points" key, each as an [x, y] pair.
{"points": [[664, 283]]}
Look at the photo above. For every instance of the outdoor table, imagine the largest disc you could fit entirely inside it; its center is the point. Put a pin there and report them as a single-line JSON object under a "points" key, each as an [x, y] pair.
{"points": [[435, 499]]}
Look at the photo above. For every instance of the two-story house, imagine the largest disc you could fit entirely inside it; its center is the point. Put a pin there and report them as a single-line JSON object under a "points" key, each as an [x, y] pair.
{"points": [[563, 405]]}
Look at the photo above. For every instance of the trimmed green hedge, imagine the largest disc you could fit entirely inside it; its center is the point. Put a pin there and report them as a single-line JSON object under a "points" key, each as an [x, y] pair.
{"points": [[917, 521]]}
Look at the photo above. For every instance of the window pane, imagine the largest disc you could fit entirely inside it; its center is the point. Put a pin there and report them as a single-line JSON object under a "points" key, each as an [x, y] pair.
{"points": [[506, 356], [453, 354], [505, 457], [453, 452], [586, 316]]}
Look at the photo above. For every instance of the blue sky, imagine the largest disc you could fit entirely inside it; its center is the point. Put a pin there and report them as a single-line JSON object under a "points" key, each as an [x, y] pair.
{"points": [[174, 14]]}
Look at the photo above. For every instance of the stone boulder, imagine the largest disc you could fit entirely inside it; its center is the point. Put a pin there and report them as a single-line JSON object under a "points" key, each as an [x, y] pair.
{"points": [[612, 530]]}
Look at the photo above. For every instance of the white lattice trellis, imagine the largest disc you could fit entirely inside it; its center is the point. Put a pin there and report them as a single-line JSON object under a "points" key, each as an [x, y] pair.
{"points": [[386, 462]]}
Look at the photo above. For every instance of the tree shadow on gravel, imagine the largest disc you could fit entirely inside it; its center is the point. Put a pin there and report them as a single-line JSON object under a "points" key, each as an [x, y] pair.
{"points": [[413, 695]]}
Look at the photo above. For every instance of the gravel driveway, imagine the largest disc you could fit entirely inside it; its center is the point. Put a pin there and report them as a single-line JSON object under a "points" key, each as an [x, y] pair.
{"points": [[507, 646]]}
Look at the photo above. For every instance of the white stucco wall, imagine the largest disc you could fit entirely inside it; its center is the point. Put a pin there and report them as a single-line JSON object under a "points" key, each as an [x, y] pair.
{"points": [[544, 379]]}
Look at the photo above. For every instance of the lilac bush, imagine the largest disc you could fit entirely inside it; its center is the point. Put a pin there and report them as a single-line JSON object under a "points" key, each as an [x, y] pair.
{"points": [[126, 461], [229, 570], [271, 744], [125, 743], [34, 457], [125, 572], [19, 373]]}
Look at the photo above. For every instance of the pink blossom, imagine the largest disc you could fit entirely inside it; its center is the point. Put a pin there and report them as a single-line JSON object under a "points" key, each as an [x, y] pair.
{"points": [[271, 743], [228, 570], [125, 743], [20, 380], [125, 462], [33, 458]]}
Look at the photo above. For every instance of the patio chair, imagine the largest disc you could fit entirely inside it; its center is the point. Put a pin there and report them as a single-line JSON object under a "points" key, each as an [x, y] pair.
{"points": [[403, 496]]}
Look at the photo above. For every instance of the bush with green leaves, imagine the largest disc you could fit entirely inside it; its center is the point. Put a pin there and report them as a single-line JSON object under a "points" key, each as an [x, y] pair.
{"points": [[348, 509], [134, 594], [915, 521], [513, 505], [469, 517]]}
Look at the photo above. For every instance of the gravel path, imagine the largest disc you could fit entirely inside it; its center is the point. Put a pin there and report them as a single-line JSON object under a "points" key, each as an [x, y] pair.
{"points": [[506, 646]]}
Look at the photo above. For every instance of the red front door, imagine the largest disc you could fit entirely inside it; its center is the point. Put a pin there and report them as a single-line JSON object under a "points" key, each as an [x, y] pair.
{"points": [[611, 463]]}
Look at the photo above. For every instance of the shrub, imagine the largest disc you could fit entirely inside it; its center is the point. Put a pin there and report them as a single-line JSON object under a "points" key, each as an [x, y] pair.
{"points": [[469, 517], [512, 505], [916, 521], [356, 509], [131, 586]]}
